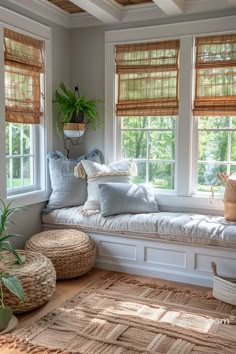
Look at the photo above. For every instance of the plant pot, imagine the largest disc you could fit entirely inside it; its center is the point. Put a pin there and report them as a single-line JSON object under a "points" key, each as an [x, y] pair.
{"points": [[5, 317], [74, 130], [77, 117]]}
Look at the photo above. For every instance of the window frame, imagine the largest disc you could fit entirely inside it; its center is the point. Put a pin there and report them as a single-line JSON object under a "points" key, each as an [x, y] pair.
{"points": [[26, 26], [186, 153]]}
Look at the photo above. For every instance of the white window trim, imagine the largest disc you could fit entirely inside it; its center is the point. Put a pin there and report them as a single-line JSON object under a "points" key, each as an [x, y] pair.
{"points": [[32, 28], [186, 127]]}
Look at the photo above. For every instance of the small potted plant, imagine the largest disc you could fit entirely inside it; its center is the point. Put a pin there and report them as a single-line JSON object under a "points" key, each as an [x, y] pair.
{"points": [[8, 280], [74, 111]]}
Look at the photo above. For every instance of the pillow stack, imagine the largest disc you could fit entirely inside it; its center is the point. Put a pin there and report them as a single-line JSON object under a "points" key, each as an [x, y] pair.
{"points": [[67, 190], [117, 172]]}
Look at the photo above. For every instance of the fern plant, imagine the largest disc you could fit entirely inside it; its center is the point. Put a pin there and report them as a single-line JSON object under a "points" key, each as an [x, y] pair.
{"points": [[69, 104]]}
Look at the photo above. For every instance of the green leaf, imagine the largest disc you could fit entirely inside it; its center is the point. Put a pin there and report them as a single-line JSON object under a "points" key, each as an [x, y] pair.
{"points": [[5, 317], [13, 284], [6, 245]]}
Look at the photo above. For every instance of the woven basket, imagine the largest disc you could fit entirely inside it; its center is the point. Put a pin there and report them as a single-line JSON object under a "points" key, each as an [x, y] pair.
{"points": [[224, 288], [72, 252], [38, 278]]}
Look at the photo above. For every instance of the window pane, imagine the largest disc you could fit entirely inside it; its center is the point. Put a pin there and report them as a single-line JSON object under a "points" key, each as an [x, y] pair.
{"points": [[207, 176], [161, 175], [213, 146], [233, 146], [163, 122], [17, 182], [213, 122], [141, 175], [134, 122], [16, 141], [27, 171], [8, 173], [134, 144], [162, 145], [26, 139], [232, 168], [234, 122], [7, 139]]}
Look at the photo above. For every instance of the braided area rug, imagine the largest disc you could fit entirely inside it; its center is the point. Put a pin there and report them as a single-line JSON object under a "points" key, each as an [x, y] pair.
{"points": [[121, 315]]}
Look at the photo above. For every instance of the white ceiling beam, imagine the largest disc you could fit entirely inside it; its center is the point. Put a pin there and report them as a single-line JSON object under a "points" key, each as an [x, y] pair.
{"points": [[171, 7], [104, 10]]}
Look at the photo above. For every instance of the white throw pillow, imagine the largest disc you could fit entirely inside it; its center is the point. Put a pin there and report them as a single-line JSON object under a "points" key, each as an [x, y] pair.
{"points": [[117, 172]]}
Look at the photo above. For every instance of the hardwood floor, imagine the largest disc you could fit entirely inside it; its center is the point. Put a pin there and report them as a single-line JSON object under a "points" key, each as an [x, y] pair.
{"points": [[66, 289]]}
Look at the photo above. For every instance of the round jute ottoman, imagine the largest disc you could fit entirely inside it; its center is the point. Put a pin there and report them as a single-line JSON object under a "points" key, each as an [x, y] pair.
{"points": [[72, 252], [38, 279]]}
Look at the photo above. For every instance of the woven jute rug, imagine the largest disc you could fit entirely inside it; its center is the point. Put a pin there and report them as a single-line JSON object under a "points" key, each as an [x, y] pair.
{"points": [[121, 315]]}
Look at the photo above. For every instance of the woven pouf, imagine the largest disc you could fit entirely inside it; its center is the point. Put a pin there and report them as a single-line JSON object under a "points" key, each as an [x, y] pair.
{"points": [[38, 279], [72, 252]]}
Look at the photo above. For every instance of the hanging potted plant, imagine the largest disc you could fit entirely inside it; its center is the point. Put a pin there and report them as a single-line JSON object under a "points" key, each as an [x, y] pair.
{"points": [[74, 112], [8, 280]]}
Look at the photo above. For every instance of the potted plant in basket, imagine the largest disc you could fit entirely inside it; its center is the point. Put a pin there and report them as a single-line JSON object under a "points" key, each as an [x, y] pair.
{"points": [[8, 280], [74, 111]]}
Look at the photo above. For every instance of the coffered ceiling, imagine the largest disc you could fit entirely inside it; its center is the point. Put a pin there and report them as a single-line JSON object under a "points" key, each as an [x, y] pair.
{"points": [[84, 13]]}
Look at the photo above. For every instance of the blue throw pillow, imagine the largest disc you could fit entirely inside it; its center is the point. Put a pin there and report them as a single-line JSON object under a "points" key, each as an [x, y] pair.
{"points": [[126, 198], [67, 190]]}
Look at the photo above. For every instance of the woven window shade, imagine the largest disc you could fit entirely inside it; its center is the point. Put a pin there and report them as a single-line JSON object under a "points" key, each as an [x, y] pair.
{"points": [[215, 92], [147, 79], [23, 65]]}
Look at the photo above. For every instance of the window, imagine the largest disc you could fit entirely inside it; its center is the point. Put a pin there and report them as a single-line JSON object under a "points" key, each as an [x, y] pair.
{"points": [[215, 107], [24, 106], [147, 106]]}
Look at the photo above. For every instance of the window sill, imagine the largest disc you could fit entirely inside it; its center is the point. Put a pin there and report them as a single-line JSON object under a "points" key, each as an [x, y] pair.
{"points": [[193, 203], [34, 197]]}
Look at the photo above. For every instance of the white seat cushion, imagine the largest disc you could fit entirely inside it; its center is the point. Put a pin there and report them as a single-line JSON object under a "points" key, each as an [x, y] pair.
{"points": [[188, 228]]}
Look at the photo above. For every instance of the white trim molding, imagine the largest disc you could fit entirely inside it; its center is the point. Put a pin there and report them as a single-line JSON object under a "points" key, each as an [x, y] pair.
{"points": [[171, 7], [106, 11]]}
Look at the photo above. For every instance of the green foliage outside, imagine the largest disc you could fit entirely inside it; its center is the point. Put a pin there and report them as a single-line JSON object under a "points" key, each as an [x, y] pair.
{"points": [[155, 137]]}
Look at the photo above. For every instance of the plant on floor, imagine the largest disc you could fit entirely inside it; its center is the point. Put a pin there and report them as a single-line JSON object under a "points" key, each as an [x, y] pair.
{"points": [[8, 280], [72, 108]]}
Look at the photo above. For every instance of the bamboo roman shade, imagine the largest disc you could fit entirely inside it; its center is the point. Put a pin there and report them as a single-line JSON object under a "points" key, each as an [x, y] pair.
{"points": [[147, 79], [215, 92], [23, 65]]}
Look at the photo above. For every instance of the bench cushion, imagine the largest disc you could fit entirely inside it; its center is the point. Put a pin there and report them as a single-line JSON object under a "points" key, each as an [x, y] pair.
{"points": [[179, 227]]}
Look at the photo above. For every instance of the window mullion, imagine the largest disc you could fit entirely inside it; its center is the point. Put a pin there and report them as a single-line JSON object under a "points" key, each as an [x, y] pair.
{"points": [[184, 126]]}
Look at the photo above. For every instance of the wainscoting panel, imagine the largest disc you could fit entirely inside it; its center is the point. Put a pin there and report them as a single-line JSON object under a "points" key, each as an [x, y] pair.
{"points": [[116, 250], [165, 257]]}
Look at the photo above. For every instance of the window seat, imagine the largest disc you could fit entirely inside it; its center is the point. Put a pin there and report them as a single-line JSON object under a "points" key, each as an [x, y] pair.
{"points": [[179, 227], [175, 246]]}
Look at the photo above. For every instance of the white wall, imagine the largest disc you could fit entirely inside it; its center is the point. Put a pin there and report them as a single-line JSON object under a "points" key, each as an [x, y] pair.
{"points": [[87, 71]]}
